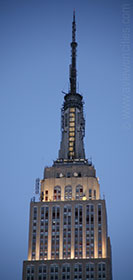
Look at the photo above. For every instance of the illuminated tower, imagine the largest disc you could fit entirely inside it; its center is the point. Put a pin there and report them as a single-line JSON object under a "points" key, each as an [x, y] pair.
{"points": [[68, 236]]}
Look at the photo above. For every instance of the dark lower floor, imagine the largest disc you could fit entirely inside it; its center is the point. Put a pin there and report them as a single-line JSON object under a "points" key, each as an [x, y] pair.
{"points": [[68, 269]]}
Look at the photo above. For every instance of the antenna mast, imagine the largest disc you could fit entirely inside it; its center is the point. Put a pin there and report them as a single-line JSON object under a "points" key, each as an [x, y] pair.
{"points": [[73, 60]]}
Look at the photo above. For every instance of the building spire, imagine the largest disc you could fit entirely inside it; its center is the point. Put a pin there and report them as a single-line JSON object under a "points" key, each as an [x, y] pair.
{"points": [[72, 120], [73, 58]]}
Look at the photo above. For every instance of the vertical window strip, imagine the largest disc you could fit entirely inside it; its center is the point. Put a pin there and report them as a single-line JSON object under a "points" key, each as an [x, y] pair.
{"points": [[67, 232], [46, 195], [99, 230], [55, 232], [72, 129], [78, 231], [90, 231], [34, 232], [44, 214]]}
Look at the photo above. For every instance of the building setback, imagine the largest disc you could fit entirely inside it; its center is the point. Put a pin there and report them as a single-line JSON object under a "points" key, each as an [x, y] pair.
{"points": [[68, 236]]}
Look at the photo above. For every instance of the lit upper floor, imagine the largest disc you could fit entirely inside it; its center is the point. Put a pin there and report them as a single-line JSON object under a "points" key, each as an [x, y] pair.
{"points": [[71, 182]]}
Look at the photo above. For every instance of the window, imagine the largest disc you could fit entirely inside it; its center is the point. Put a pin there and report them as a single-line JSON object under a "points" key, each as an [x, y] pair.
{"points": [[102, 271], [72, 124], [68, 192], [89, 271], [42, 271], [71, 144], [71, 139], [71, 129], [78, 271], [54, 272], [71, 133], [66, 271], [90, 193], [57, 193], [72, 110], [46, 195], [30, 272], [71, 154], [72, 117], [79, 192], [94, 194]]}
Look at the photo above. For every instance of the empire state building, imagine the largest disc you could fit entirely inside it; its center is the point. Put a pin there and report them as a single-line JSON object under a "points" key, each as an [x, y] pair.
{"points": [[68, 235]]}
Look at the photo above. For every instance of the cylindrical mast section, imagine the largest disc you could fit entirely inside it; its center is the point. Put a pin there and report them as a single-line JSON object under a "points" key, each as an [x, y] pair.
{"points": [[73, 55]]}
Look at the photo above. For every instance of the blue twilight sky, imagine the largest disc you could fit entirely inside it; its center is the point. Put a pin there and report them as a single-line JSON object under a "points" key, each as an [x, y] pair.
{"points": [[35, 41]]}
